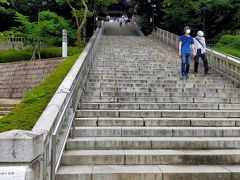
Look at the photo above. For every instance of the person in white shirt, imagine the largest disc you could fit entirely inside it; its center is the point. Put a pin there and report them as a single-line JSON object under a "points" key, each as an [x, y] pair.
{"points": [[200, 49]]}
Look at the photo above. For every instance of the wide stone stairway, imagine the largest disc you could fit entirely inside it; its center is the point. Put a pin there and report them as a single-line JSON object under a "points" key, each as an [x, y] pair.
{"points": [[138, 121]]}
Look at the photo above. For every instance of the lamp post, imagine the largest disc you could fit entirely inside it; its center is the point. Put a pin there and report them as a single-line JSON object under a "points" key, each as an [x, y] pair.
{"points": [[204, 20], [94, 15], [152, 19], [94, 20], [153, 16]]}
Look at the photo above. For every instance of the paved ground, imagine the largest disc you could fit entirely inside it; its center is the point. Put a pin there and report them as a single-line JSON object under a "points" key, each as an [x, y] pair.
{"points": [[114, 29]]}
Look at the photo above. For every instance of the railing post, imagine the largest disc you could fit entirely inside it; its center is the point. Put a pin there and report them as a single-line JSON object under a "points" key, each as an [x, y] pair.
{"points": [[74, 106], [53, 157]]}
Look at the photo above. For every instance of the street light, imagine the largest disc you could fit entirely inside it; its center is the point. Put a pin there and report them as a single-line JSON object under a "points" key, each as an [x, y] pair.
{"points": [[204, 19], [152, 19], [153, 15]]}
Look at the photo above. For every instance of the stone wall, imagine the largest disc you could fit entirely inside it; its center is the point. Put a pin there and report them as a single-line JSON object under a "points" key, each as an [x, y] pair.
{"points": [[16, 79]]}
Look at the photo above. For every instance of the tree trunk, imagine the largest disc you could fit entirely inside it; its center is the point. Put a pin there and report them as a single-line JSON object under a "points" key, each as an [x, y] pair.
{"points": [[79, 26], [79, 35]]}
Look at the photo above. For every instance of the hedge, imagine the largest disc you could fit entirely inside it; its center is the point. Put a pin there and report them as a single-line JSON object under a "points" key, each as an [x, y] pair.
{"points": [[26, 54], [26, 114]]}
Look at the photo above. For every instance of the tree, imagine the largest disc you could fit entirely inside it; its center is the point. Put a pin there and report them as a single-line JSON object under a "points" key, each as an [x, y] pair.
{"points": [[144, 11], [3, 7], [80, 12], [48, 30], [216, 16], [80, 18]]}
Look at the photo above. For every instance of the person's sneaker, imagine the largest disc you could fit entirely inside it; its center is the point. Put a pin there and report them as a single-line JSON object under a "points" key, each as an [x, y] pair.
{"points": [[182, 76], [186, 76]]}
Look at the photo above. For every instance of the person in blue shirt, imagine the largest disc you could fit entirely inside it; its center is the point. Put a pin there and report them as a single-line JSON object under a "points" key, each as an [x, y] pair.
{"points": [[186, 49]]}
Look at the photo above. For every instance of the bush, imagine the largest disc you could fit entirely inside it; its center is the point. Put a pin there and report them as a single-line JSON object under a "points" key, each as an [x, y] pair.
{"points": [[236, 42], [26, 114], [51, 52], [26, 54], [14, 55], [226, 40], [57, 52]]}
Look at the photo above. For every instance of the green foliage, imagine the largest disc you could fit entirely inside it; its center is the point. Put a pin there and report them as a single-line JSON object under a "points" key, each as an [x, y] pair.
{"points": [[226, 40], [26, 114], [5, 35], [217, 16], [4, 7], [236, 42], [4, 1], [230, 41], [26, 54], [102, 6], [229, 44], [14, 55], [228, 50], [48, 30]]}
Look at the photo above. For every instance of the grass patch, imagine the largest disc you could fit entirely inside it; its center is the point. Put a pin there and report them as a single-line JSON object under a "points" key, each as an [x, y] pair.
{"points": [[26, 54], [228, 50], [26, 114]]}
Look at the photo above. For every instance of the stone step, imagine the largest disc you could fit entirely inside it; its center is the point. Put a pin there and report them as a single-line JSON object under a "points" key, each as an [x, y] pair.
{"points": [[151, 157], [2, 113], [149, 172], [159, 113], [158, 89], [118, 143], [157, 131], [5, 108], [159, 94], [94, 99], [167, 81], [144, 74], [159, 122], [159, 106], [130, 67], [153, 77], [163, 85]]}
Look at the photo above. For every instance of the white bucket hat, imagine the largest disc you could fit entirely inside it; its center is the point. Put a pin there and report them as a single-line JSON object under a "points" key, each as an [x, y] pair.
{"points": [[200, 33]]}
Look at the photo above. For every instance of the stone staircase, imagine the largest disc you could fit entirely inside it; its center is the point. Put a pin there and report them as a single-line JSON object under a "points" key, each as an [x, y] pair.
{"points": [[17, 79], [6, 105], [138, 121]]}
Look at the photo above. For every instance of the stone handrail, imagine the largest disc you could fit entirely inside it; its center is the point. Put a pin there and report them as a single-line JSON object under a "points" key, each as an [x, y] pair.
{"points": [[34, 149], [224, 64], [136, 27]]}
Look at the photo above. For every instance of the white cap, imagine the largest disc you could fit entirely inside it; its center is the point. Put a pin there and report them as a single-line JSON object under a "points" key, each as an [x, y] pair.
{"points": [[200, 33]]}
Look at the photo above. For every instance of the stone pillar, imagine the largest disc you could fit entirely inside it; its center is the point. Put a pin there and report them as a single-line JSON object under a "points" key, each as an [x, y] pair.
{"points": [[21, 155], [64, 43]]}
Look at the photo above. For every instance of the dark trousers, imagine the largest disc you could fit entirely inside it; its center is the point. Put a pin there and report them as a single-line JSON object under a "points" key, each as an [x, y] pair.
{"points": [[186, 58], [196, 61]]}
